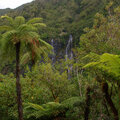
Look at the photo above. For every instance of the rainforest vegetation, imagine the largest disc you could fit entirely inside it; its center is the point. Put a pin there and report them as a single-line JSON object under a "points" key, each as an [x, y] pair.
{"points": [[60, 60]]}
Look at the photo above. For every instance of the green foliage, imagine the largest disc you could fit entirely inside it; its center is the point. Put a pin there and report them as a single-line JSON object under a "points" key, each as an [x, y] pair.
{"points": [[25, 33], [34, 20], [46, 91], [103, 35], [39, 86], [52, 79], [69, 108], [106, 68], [63, 17], [47, 110], [108, 65], [5, 11]]}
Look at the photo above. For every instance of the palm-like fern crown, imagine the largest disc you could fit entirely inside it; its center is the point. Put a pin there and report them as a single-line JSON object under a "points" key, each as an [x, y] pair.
{"points": [[105, 66], [18, 30]]}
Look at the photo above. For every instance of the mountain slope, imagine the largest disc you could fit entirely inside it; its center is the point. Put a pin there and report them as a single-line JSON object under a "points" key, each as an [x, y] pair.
{"points": [[63, 17], [4, 11]]}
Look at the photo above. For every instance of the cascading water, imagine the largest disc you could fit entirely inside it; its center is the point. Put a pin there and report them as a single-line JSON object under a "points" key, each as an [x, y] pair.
{"points": [[69, 55]]}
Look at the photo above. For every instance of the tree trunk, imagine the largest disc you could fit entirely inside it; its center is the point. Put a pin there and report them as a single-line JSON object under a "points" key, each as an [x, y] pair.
{"points": [[109, 101], [119, 93], [18, 86], [87, 108]]}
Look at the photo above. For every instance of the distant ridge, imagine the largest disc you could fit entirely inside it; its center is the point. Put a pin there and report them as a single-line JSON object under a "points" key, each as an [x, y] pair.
{"points": [[4, 11]]}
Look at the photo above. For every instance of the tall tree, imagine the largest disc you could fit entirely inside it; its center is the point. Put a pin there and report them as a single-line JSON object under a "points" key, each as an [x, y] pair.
{"points": [[19, 37], [106, 69]]}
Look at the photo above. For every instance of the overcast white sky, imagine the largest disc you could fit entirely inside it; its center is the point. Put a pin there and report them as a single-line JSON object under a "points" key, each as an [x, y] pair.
{"points": [[12, 3]]}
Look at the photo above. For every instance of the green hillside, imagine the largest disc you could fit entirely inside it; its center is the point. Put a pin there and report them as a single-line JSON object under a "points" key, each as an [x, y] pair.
{"points": [[63, 17], [60, 60], [4, 11]]}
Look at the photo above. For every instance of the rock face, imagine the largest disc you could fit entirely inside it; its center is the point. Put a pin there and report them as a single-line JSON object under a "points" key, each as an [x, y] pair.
{"points": [[60, 52], [57, 52]]}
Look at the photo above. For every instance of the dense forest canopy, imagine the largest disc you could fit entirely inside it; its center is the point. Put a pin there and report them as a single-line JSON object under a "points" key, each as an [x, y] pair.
{"points": [[63, 17], [60, 60]]}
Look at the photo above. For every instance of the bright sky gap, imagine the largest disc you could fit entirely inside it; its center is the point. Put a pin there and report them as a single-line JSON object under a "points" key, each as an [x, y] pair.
{"points": [[12, 3]]}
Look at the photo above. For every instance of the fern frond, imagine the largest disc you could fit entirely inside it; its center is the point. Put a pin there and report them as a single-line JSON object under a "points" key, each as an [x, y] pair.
{"points": [[8, 48], [25, 58], [39, 25], [26, 28], [45, 110], [36, 107], [108, 64], [11, 36], [43, 43], [71, 102], [34, 20], [19, 21], [5, 28], [9, 19], [26, 33]]}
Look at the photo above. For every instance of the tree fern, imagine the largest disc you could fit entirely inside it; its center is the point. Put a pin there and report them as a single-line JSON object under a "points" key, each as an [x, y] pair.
{"points": [[108, 65], [53, 109], [46, 110], [20, 34], [19, 30]]}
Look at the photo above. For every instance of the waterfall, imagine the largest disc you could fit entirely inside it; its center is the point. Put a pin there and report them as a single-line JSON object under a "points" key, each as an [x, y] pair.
{"points": [[69, 55], [53, 52]]}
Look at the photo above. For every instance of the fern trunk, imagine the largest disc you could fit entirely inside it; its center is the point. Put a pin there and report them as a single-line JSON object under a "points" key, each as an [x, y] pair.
{"points": [[109, 101], [87, 108], [18, 86]]}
